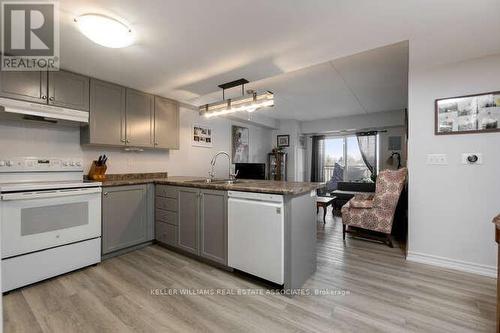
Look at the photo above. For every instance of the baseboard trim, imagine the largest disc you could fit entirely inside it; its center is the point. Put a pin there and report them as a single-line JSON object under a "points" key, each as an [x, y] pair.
{"points": [[464, 266], [125, 250]]}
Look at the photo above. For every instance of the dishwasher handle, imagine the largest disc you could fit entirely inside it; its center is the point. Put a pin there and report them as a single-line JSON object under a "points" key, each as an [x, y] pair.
{"points": [[253, 196], [279, 206]]}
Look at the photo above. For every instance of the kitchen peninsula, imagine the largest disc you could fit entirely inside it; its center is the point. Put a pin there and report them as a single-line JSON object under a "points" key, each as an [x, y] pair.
{"points": [[205, 220]]}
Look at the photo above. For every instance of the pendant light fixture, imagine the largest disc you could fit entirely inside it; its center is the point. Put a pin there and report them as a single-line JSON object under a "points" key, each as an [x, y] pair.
{"points": [[250, 102]]}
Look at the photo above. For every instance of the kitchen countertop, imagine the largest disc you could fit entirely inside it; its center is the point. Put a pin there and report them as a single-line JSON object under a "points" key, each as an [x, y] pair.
{"points": [[245, 185], [120, 179]]}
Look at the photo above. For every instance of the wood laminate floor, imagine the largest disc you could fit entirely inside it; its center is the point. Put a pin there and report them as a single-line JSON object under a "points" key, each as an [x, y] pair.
{"points": [[384, 293]]}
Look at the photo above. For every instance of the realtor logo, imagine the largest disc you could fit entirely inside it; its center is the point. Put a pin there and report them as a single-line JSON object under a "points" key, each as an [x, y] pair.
{"points": [[30, 36]]}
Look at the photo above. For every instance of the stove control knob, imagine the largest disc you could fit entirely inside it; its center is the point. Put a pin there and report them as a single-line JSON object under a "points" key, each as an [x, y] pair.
{"points": [[65, 163], [2, 163], [78, 163], [72, 164], [9, 163]]}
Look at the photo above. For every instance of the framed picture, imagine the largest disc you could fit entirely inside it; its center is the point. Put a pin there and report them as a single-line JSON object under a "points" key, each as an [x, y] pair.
{"points": [[202, 136], [240, 143], [394, 143], [283, 141], [302, 142], [468, 114]]}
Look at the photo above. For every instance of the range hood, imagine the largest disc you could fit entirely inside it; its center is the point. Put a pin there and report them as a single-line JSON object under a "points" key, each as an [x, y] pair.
{"points": [[14, 109]]}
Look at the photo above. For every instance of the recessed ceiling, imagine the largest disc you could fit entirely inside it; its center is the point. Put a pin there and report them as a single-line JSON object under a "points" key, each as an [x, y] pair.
{"points": [[368, 82], [185, 48]]}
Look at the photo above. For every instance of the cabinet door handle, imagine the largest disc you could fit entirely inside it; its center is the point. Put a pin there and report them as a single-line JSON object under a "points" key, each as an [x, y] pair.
{"points": [[156, 143], [123, 140], [127, 141], [44, 97], [51, 98], [105, 193]]}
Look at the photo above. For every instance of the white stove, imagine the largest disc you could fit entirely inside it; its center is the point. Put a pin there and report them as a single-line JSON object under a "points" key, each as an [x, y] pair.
{"points": [[32, 173], [50, 219]]}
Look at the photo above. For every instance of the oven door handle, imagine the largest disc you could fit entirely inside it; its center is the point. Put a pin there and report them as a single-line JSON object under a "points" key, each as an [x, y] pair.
{"points": [[49, 194]]}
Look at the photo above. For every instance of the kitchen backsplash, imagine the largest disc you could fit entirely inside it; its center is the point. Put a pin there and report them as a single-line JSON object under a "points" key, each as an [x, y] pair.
{"points": [[46, 140]]}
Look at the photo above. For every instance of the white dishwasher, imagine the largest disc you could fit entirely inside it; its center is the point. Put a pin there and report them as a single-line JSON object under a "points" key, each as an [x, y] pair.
{"points": [[256, 235]]}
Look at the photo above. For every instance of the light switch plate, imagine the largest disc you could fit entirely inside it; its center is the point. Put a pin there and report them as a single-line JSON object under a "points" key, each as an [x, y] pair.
{"points": [[437, 159], [465, 157]]}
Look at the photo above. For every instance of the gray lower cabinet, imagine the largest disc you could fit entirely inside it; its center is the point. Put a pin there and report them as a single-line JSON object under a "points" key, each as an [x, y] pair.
{"points": [[166, 227], [127, 216], [69, 90], [107, 115], [140, 112], [213, 225], [188, 213], [193, 220], [166, 123], [25, 86]]}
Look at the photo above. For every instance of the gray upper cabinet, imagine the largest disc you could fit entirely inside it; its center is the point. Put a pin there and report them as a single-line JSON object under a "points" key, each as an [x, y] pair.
{"points": [[140, 111], [107, 114], [188, 219], [119, 116], [213, 225], [26, 86], [69, 90], [125, 217], [59, 88], [166, 123]]}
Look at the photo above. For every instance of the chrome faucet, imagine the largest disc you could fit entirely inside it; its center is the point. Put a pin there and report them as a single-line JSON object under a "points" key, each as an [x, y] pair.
{"points": [[211, 173]]}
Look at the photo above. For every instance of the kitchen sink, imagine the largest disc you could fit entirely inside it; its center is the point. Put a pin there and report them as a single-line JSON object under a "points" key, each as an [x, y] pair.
{"points": [[226, 181], [200, 181]]}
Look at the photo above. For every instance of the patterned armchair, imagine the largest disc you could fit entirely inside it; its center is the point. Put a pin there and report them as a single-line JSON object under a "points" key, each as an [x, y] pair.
{"points": [[375, 212]]}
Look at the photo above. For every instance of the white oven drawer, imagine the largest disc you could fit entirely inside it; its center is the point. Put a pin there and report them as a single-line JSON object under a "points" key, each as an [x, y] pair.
{"points": [[33, 221], [23, 270]]}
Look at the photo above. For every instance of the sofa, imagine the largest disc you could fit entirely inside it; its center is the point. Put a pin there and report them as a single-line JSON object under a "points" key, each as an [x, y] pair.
{"points": [[347, 190]]}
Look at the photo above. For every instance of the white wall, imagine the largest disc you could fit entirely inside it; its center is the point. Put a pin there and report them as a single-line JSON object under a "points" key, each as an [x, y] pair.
{"points": [[28, 139], [294, 154], [384, 151], [358, 122], [451, 206]]}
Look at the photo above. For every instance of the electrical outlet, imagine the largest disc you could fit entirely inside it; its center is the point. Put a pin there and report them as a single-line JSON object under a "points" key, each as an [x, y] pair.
{"points": [[437, 159], [472, 158]]}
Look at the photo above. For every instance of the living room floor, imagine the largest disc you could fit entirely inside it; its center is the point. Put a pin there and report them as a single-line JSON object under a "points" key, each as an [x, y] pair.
{"points": [[381, 292]]}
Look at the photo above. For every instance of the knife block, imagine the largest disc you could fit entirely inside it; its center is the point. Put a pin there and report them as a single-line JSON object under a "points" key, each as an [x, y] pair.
{"points": [[97, 172]]}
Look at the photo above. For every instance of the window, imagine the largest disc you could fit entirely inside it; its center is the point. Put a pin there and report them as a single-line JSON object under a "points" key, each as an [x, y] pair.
{"points": [[343, 159], [334, 154], [356, 167]]}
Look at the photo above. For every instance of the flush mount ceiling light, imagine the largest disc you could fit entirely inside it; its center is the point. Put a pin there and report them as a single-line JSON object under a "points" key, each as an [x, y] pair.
{"points": [[249, 102], [104, 30]]}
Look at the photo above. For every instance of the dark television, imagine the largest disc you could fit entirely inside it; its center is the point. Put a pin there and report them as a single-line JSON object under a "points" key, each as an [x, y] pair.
{"points": [[251, 170]]}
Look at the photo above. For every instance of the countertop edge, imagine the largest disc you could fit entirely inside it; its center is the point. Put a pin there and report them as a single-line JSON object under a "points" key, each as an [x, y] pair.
{"points": [[222, 187]]}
